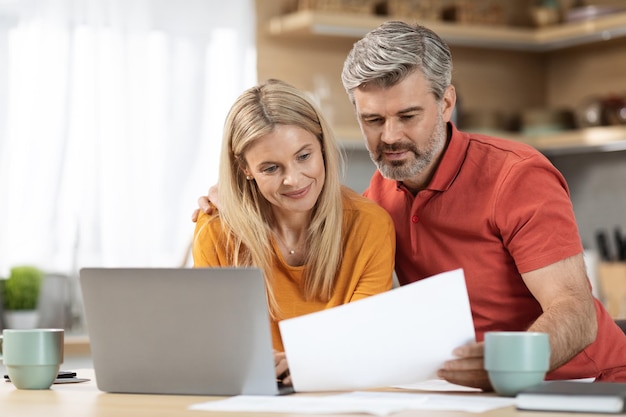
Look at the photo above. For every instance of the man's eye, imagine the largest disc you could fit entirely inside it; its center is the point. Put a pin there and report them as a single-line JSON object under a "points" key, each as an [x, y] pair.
{"points": [[407, 116]]}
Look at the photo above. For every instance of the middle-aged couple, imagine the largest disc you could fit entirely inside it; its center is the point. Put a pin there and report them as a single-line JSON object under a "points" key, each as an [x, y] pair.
{"points": [[496, 208]]}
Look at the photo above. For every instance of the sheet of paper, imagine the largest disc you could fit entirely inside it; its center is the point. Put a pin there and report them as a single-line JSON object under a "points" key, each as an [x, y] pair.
{"points": [[375, 403], [398, 337], [436, 385]]}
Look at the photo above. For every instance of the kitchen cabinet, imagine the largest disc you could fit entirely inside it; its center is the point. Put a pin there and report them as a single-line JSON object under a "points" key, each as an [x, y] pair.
{"points": [[496, 67]]}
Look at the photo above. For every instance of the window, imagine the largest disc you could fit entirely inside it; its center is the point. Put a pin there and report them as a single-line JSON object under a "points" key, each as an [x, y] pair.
{"points": [[111, 115]]}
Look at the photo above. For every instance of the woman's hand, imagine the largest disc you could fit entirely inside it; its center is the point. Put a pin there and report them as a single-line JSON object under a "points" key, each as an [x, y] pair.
{"points": [[282, 368]]}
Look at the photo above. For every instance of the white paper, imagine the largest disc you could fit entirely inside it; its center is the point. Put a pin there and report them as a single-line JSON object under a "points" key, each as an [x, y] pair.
{"points": [[375, 403], [436, 385], [398, 337]]}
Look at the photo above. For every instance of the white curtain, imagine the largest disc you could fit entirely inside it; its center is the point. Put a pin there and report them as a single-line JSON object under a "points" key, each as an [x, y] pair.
{"points": [[111, 114]]}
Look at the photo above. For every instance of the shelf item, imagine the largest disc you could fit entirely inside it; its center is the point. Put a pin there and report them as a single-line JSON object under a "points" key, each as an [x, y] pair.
{"points": [[591, 139], [309, 23]]}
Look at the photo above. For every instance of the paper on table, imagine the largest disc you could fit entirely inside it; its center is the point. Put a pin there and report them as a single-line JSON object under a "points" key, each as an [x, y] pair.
{"points": [[436, 385], [376, 403], [398, 337]]}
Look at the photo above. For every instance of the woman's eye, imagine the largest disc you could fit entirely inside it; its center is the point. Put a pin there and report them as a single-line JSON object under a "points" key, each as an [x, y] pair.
{"points": [[304, 156], [270, 169]]}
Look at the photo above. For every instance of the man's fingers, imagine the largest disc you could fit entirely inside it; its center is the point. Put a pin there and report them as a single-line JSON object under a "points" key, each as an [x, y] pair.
{"points": [[204, 204], [471, 350], [194, 215], [465, 364], [467, 371], [475, 379]]}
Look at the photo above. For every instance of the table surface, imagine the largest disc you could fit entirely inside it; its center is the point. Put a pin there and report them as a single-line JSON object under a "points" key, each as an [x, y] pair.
{"points": [[85, 400]]}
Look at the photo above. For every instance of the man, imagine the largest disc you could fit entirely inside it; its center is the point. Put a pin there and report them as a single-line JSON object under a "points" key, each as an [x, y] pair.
{"points": [[496, 208]]}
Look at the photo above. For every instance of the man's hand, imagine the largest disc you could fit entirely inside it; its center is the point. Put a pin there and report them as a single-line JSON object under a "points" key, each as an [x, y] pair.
{"points": [[468, 368], [206, 204], [282, 368]]}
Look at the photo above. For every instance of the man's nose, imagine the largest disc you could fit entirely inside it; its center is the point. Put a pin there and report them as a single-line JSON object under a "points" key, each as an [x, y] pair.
{"points": [[391, 132]]}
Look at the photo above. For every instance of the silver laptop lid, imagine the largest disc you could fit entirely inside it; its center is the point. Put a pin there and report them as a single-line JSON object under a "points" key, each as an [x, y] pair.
{"points": [[198, 331]]}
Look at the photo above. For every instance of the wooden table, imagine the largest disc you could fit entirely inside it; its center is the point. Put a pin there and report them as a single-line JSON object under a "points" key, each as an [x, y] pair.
{"points": [[85, 400]]}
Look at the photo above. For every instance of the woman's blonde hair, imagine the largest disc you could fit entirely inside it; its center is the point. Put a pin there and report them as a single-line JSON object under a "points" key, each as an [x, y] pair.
{"points": [[247, 215]]}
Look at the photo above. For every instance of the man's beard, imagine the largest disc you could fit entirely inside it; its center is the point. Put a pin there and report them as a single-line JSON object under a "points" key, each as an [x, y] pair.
{"points": [[408, 169]]}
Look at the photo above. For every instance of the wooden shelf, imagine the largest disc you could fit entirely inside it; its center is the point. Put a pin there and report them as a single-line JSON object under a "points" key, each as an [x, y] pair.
{"points": [[592, 139], [314, 24]]}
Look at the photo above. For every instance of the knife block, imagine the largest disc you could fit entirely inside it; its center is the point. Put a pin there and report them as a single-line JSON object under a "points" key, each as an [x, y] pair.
{"points": [[612, 279]]}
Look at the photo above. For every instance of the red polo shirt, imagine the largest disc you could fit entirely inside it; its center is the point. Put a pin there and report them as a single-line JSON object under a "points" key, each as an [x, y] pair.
{"points": [[496, 208]]}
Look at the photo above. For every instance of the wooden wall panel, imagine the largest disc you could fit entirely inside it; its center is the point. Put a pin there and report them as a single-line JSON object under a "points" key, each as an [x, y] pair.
{"points": [[498, 80], [576, 73]]}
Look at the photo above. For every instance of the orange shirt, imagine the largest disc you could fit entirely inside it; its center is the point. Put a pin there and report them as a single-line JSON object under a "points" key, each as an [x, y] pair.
{"points": [[497, 209], [367, 266]]}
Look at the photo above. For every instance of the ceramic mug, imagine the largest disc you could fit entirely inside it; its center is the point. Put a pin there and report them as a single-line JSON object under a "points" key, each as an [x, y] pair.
{"points": [[516, 360], [32, 357]]}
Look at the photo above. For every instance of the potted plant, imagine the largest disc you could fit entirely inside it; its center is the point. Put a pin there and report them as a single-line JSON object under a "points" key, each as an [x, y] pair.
{"points": [[20, 297]]}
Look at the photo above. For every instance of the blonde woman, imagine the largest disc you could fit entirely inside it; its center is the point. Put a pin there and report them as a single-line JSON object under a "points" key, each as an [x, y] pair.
{"points": [[282, 208]]}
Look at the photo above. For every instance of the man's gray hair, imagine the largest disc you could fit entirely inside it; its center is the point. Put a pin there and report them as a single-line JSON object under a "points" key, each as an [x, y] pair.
{"points": [[389, 53]]}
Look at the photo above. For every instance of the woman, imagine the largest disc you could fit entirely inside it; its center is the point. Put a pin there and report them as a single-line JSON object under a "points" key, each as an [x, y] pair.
{"points": [[283, 209]]}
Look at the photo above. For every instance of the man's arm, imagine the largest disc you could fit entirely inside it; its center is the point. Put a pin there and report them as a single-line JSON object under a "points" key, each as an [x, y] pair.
{"points": [[569, 317], [569, 314]]}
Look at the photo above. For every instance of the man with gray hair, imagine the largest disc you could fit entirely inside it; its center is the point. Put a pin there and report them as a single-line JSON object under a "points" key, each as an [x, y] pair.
{"points": [[496, 208]]}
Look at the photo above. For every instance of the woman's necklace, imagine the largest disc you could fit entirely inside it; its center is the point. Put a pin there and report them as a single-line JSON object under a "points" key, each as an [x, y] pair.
{"points": [[291, 251], [295, 254]]}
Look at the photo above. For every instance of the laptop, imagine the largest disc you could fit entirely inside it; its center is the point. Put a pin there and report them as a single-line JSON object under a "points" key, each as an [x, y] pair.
{"points": [[200, 331]]}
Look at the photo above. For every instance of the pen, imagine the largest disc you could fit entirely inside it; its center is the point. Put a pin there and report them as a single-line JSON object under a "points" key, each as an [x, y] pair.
{"points": [[61, 375]]}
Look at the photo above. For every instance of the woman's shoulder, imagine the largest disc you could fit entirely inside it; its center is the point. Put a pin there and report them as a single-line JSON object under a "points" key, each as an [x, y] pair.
{"points": [[208, 225], [362, 206]]}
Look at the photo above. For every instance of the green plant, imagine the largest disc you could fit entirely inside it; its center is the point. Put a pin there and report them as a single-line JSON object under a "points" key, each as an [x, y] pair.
{"points": [[21, 289]]}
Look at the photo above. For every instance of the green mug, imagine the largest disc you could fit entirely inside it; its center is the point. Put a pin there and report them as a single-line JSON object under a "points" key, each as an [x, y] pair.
{"points": [[516, 360], [32, 357]]}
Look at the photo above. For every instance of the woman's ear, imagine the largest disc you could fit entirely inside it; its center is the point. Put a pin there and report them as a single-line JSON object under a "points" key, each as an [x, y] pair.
{"points": [[244, 167]]}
